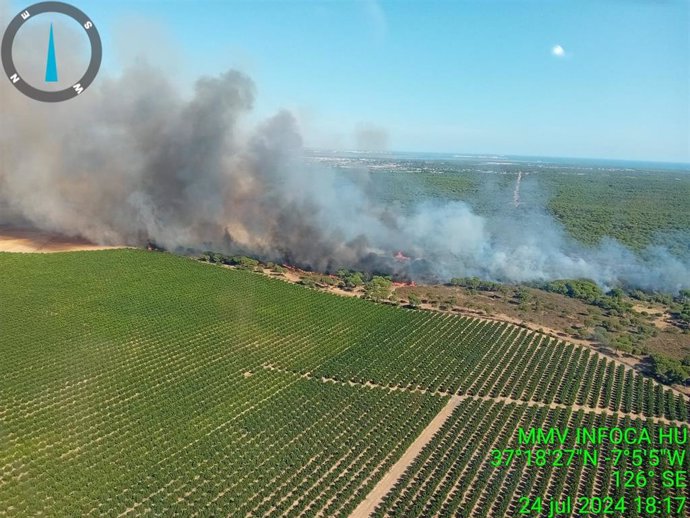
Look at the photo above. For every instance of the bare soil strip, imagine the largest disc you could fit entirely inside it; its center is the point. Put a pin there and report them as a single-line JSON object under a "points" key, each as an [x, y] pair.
{"points": [[501, 399], [32, 241], [367, 506], [380, 490]]}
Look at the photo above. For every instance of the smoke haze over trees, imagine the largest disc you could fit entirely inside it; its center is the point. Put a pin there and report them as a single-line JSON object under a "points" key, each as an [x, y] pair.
{"points": [[125, 165]]}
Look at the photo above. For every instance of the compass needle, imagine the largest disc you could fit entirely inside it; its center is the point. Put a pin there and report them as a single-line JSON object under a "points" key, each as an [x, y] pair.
{"points": [[75, 88], [51, 64]]}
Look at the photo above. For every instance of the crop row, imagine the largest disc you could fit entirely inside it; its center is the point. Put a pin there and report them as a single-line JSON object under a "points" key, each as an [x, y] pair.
{"points": [[453, 475], [444, 353], [289, 445], [163, 402]]}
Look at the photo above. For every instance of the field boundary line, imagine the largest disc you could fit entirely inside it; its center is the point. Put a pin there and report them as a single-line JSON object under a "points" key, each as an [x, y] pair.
{"points": [[497, 399], [381, 489], [575, 408], [462, 311]]}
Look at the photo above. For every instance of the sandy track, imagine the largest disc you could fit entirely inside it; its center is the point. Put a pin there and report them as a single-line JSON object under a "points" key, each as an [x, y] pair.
{"points": [[31, 240], [367, 506], [384, 485]]}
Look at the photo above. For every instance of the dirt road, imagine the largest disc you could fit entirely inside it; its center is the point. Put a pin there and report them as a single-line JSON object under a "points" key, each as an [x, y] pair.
{"points": [[380, 490]]}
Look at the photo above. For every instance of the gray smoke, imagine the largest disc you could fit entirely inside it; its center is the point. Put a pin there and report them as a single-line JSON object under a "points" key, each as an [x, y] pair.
{"points": [[370, 137], [130, 161]]}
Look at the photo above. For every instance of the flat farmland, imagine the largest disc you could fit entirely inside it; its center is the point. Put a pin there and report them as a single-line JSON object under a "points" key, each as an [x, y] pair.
{"points": [[137, 382], [450, 477]]}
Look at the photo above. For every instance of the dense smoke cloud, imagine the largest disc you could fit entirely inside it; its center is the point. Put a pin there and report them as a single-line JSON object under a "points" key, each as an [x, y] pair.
{"points": [[131, 161]]}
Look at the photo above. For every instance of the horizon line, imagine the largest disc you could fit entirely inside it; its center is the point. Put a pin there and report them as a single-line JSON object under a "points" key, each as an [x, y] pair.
{"points": [[494, 155]]}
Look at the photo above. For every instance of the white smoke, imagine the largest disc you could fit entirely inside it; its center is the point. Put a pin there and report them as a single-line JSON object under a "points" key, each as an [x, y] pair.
{"points": [[123, 164]]}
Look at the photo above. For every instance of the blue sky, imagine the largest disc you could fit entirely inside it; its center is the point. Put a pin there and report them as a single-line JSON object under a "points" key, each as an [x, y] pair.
{"points": [[477, 76]]}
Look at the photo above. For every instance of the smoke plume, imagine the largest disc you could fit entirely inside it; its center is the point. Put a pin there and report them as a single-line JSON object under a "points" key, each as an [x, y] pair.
{"points": [[130, 161]]}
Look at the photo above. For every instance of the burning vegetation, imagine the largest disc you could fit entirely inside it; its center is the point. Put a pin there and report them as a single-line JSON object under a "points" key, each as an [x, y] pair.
{"points": [[190, 175]]}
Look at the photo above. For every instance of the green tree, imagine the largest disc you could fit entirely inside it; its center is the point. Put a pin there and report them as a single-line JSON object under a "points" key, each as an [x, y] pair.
{"points": [[350, 280], [601, 336], [668, 370], [378, 288], [414, 299]]}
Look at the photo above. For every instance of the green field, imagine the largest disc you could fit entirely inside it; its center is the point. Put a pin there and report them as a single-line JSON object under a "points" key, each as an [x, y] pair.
{"points": [[136, 381], [447, 480]]}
